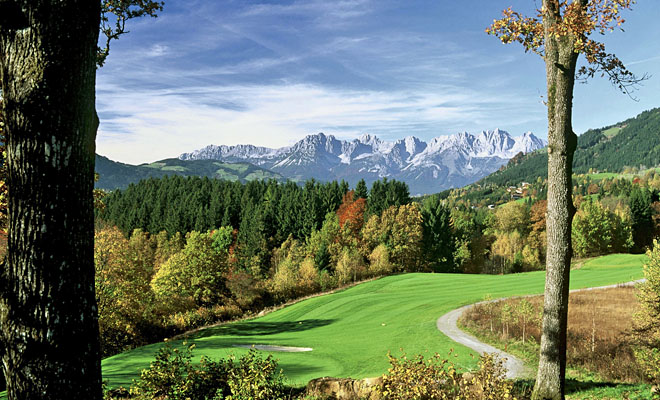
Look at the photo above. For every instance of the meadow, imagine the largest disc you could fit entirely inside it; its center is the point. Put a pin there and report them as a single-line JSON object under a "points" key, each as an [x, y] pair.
{"points": [[352, 331]]}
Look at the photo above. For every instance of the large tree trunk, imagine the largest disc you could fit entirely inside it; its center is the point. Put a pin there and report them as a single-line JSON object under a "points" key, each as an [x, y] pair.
{"points": [[560, 61], [49, 327]]}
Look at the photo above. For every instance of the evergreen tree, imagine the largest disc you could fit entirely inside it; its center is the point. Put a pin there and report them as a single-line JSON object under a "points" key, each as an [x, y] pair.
{"points": [[360, 190], [439, 243], [642, 222]]}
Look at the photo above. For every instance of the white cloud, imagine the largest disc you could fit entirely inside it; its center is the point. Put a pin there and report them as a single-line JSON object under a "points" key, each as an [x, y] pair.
{"points": [[157, 50], [145, 125]]}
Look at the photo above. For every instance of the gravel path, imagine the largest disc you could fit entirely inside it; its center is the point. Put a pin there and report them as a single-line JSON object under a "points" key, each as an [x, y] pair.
{"points": [[515, 367]]}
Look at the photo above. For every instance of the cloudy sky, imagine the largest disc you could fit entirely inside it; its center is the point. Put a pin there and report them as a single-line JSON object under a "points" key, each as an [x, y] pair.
{"points": [[270, 72]]}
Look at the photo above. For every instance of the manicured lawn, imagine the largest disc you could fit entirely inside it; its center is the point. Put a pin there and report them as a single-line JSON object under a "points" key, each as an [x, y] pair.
{"points": [[352, 331]]}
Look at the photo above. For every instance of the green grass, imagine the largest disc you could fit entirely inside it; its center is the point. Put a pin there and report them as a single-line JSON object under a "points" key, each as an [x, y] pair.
{"points": [[177, 168], [613, 131], [620, 175], [351, 331], [241, 168]]}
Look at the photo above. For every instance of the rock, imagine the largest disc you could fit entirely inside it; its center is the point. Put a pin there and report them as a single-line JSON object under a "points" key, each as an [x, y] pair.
{"points": [[344, 388]]}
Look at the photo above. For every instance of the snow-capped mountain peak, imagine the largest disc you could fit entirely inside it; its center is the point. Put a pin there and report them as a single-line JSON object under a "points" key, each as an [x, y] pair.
{"points": [[445, 161]]}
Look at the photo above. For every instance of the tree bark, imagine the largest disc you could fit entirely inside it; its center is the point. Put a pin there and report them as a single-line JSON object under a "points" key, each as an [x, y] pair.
{"points": [[49, 329], [560, 61]]}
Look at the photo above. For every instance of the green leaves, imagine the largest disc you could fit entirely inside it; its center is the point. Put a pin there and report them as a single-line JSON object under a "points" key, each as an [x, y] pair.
{"points": [[115, 14]]}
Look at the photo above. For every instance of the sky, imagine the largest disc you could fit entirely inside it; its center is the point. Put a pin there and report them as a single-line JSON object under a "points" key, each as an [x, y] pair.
{"points": [[269, 73]]}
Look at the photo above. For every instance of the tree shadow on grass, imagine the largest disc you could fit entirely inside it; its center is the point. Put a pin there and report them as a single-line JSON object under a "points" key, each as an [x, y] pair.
{"points": [[523, 387], [574, 386], [258, 328]]}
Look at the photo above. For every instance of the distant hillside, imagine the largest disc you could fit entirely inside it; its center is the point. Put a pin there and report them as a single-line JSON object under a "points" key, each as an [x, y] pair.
{"points": [[631, 143], [116, 175]]}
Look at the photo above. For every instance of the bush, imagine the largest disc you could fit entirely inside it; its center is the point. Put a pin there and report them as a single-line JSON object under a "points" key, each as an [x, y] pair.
{"points": [[246, 290], [283, 284], [350, 267], [380, 261], [437, 378], [647, 319], [173, 376], [308, 277], [255, 378], [203, 316]]}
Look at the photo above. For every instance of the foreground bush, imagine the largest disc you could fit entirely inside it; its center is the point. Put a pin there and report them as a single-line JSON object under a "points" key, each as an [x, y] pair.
{"points": [[174, 376], [647, 318], [418, 378]]}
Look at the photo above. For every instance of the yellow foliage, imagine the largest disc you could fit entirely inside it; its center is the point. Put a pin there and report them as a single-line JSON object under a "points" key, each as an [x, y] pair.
{"points": [[380, 261], [308, 277], [350, 267], [647, 319]]}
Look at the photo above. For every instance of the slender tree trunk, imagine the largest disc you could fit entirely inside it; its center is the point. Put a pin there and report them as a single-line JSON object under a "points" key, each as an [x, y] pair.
{"points": [[48, 318], [560, 61]]}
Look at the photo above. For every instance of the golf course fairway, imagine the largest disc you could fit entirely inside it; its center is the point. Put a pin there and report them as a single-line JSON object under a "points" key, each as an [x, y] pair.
{"points": [[351, 331]]}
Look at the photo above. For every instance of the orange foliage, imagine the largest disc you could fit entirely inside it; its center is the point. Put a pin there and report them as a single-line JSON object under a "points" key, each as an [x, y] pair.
{"points": [[351, 213], [576, 22], [537, 215]]}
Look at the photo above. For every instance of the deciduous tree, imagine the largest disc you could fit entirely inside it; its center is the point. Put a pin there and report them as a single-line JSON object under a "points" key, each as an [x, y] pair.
{"points": [[647, 318], [47, 307], [559, 32], [48, 317]]}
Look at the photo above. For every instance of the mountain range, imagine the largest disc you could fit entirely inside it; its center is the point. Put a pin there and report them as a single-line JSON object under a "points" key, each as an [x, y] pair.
{"points": [[444, 162]]}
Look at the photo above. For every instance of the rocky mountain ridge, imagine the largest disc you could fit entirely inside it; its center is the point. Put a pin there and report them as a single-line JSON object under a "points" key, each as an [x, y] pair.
{"points": [[444, 162]]}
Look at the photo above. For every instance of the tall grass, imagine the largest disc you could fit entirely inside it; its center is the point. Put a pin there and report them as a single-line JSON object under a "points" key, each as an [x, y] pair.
{"points": [[599, 323]]}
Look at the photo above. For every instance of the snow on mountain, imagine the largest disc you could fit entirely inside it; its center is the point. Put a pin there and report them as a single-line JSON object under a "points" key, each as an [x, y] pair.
{"points": [[443, 162]]}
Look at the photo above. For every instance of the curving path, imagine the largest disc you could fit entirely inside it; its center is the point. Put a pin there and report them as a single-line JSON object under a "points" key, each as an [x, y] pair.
{"points": [[514, 366]]}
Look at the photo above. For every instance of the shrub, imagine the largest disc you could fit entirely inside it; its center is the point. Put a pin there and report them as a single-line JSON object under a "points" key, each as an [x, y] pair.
{"points": [[255, 378], [380, 261], [203, 316], [350, 266], [246, 290], [173, 376], [437, 378], [417, 378], [327, 281], [308, 277], [283, 283], [647, 319]]}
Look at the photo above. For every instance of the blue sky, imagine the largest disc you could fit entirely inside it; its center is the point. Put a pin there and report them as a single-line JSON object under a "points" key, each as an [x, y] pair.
{"points": [[270, 72]]}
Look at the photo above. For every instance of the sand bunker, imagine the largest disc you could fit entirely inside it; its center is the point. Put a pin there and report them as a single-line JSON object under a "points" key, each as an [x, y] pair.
{"points": [[267, 347]]}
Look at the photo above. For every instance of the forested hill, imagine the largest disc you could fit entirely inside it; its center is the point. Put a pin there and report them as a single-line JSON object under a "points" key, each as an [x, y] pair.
{"points": [[116, 175], [631, 143]]}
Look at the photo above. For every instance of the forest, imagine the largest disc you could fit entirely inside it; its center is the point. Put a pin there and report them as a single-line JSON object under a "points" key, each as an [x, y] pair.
{"points": [[176, 253], [627, 144]]}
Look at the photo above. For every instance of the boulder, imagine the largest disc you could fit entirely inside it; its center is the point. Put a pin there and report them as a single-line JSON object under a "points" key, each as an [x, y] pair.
{"points": [[344, 388]]}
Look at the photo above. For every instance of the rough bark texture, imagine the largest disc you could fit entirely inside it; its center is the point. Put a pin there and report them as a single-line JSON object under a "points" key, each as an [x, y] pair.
{"points": [[49, 329], [560, 61]]}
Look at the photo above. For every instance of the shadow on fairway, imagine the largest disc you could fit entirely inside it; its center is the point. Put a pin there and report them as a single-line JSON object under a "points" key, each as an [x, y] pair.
{"points": [[573, 386], [256, 328]]}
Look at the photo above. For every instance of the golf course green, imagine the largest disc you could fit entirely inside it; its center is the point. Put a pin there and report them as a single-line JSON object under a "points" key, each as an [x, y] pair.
{"points": [[351, 331]]}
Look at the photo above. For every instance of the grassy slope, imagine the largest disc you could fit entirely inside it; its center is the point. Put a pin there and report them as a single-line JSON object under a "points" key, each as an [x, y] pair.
{"points": [[346, 328], [116, 175], [629, 143]]}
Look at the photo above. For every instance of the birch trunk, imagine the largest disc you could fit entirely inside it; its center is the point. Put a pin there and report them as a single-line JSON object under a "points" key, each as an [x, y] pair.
{"points": [[560, 61]]}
